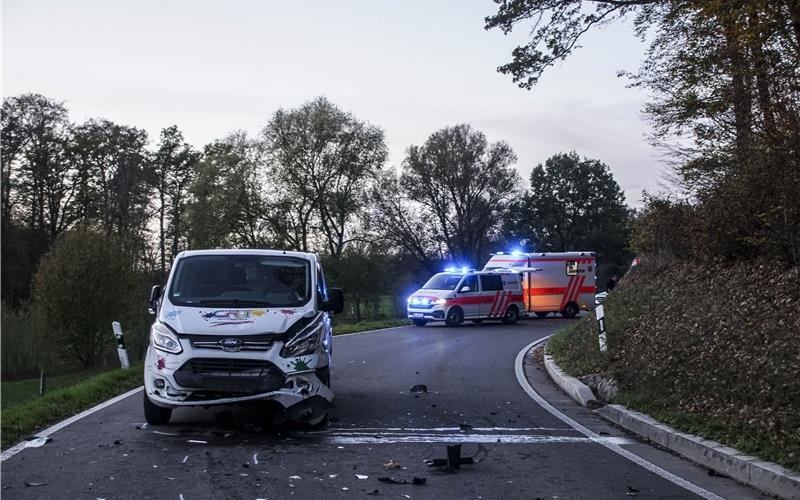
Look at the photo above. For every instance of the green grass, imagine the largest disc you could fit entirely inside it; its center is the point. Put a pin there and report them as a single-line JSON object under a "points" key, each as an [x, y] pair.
{"points": [[342, 328], [21, 391], [26, 418]]}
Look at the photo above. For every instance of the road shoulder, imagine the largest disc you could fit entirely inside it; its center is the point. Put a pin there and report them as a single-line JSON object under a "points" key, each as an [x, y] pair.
{"points": [[538, 377]]}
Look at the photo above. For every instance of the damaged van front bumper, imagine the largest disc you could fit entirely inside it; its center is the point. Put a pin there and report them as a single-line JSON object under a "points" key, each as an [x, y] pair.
{"points": [[208, 377]]}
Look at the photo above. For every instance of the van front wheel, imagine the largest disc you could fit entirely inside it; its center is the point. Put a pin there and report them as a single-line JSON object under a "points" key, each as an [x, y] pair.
{"points": [[455, 316], [419, 322], [154, 414]]}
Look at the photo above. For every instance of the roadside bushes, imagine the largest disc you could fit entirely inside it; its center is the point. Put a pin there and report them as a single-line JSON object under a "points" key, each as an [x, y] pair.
{"points": [[83, 284], [711, 348]]}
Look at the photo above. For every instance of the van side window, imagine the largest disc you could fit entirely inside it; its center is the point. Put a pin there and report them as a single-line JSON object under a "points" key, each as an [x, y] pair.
{"points": [[491, 282], [572, 268], [471, 282]]}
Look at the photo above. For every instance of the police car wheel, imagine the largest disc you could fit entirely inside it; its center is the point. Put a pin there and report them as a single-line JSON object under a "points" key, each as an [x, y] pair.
{"points": [[454, 317], [511, 316], [420, 322]]}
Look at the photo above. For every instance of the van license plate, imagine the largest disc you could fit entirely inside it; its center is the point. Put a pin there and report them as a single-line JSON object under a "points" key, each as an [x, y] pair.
{"points": [[418, 315]]}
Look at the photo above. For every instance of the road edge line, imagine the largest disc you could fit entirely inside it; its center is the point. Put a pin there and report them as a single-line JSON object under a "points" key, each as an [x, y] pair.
{"points": [[369, 331], [655, 469], [10, 452]]}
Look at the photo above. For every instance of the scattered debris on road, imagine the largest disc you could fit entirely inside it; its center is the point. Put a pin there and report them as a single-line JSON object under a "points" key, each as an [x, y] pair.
{"points": [[36, 441], [632, 492], [419, 388], [392, 464], [415, 480], [362, 476], [35, 484]]}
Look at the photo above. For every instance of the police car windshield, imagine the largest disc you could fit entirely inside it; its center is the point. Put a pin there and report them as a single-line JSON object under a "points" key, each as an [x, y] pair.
{"points": [[443, 281]]}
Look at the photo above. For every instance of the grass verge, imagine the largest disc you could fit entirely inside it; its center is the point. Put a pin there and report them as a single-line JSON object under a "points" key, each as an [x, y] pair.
{"points": [[21, 391], [362, 326], [575, 349], [26, 418]]}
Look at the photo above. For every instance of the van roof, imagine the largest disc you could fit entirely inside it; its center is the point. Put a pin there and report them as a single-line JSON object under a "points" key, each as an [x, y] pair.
{"points": [[246, 251]]}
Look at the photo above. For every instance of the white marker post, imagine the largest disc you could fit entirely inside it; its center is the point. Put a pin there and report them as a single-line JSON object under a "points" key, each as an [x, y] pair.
{"points": [[601, 324], [123, 353]]}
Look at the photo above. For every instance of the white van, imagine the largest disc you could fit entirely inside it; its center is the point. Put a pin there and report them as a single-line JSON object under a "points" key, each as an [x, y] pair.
{"points": [[235, 326], [454, 296]]}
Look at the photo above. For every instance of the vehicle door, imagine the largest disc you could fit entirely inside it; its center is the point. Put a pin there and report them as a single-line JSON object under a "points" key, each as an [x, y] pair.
{"points": [[492, 295], [468, 296]]}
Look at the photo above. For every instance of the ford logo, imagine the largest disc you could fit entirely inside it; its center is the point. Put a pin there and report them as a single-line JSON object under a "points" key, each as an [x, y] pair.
{"points": [[231, 344]]}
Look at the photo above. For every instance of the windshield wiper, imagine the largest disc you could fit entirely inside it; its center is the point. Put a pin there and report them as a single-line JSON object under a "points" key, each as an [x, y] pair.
{"points": [[234, 303]]}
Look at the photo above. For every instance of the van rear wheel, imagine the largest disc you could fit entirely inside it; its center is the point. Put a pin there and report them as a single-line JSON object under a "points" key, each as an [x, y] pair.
{"points": [[455, 316], [571, 310], [511, 316], [154, 414]]}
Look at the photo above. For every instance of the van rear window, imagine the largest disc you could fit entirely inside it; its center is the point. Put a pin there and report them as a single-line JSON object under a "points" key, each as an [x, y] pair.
{"points": [[491, 282]]}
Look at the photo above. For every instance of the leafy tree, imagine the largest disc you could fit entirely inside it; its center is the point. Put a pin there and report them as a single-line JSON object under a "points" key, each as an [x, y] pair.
{"points": [[37, 188], [83, 284], [726, 100], [464, 185], [572, 204], [228, 206], [174, 164], [112, 170], [321, 162]]}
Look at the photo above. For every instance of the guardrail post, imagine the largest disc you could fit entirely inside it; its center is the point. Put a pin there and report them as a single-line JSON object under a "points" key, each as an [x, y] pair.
{"points": [[123, 353], [41, 383], [601, 324]]}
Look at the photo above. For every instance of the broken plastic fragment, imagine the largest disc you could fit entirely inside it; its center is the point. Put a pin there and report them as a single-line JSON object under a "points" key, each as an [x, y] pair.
{"points": [[391, 464], [36, 442], [197, 441], [374, 492], [361, 476], [419, 388], [35, 484]]}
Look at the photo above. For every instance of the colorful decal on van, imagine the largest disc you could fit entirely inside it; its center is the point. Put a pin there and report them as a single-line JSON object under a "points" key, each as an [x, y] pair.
{"points": [[226, 317], [300, 364], [287, 312], [173, 314]]}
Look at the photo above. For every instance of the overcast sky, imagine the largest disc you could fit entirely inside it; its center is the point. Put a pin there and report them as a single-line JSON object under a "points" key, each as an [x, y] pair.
{"points": [[410, 67]]}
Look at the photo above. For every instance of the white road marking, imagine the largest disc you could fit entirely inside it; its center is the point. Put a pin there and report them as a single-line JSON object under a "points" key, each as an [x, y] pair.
{"points": [[655, 469], [436, 429], [458, 438], [46, 432]]}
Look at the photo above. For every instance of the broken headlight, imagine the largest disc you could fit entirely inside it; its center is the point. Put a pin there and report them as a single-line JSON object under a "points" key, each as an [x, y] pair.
{"points": [[307, 340], [163, 339]]}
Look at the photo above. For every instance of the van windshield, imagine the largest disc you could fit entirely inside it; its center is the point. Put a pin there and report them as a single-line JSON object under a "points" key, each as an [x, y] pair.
{"points": [[241, 281], [443, 281]]}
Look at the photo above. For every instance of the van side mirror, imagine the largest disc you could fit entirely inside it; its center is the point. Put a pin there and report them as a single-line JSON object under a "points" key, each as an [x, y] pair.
{"points": [[155, 294], [465, 288], [335, 302]]}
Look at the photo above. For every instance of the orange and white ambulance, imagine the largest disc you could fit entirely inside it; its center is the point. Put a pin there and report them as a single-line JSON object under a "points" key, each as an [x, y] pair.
{"points": [[454, 296], [552, 282]]}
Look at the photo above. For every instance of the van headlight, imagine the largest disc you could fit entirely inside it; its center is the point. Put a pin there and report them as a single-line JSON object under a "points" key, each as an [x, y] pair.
{"points": [[306, 341], [163, 339], [438, 302]]}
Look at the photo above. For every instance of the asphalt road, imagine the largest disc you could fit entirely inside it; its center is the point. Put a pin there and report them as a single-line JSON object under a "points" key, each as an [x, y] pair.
{"points": [[523, 450]]}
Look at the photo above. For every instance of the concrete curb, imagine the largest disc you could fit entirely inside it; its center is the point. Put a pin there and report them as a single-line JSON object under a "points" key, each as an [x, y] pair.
{"points": [[576, 389], [766, 476]]}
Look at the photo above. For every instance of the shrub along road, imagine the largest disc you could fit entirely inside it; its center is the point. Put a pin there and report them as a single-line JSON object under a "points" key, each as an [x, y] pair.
{"points": [[473, 397]]}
